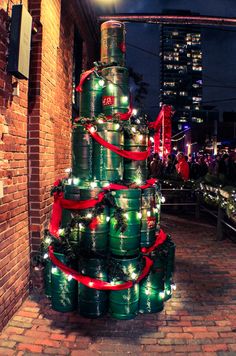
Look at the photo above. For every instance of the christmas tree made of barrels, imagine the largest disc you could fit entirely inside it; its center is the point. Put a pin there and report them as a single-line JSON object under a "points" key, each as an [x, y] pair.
{"points": [[105, 251]]}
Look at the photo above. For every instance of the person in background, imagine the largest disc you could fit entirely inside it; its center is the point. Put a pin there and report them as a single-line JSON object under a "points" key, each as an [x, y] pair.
{"points": [[156, 166], [182, 166]]}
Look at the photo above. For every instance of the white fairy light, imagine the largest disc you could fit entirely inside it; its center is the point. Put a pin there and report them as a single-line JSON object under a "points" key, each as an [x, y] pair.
{"points": [[162, 295], [133, 129], [70, 181], [140, 215], [45, 256], [173, 286], [68, 170], [69, 278], [124, 99], [134, 111], [93, 184], [61, 231], [138, 181], [101, 82], [151, 139], [48, 240], [133, 275], [107, 218], [76, 181], [163, 199], [54, 270], [100, 121], [148, 213], [90, 284], [89, 216]]}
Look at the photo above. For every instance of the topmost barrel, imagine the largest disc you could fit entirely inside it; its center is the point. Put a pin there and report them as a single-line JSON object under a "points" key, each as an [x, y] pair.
{"points": [[113, 42]]}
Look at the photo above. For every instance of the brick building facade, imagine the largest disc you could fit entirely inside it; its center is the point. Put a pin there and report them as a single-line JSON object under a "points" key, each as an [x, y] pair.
{"points": [[35, 131]]}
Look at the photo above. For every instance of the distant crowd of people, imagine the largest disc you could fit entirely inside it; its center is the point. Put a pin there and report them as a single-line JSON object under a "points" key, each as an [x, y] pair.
{"points": [[222, 167]]}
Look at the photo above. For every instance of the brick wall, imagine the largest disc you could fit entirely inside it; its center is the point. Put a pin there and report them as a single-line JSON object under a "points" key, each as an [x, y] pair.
{"points": [[14, 234], [35, 136]]}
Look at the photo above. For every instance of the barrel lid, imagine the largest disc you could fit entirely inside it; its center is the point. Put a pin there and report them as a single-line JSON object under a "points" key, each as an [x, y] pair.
{"points": [[111, 24]]}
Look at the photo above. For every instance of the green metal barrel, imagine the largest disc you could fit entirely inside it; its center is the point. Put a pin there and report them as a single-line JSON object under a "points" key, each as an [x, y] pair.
{"points": [[126, 242], [128, 199], [148, 221], [152, 294], [91, 96], [81, 153], [47, 277], [115, 96], [92, 303], [71, 189], [113, 42], [136, 171], [95, 238], [66, 218], [64, 289], [123, 304], [158, 205], [107, 165]]}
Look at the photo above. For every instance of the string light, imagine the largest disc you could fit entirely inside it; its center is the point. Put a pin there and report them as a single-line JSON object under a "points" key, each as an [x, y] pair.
{"points": [[89, 216], [48, 240], [149, 213], [54, 270], [45, 256], [124, 99], [93, 184], [162, 295], [90, 284], [138, 181], [68, 170], [76, 181], [61, 231], [133, 129], [70, 181], [108, 218], [140, 215], [69, 278], [134, 112], [100, 121], [178, 139], [101, 82], [163, 199]]}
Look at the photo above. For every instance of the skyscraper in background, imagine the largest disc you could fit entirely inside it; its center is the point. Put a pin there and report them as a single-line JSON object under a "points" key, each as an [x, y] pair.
{"points": [[181, 71]]}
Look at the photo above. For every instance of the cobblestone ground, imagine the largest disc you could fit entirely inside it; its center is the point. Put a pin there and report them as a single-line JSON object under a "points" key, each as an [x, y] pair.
{"points": [[200, 319]]}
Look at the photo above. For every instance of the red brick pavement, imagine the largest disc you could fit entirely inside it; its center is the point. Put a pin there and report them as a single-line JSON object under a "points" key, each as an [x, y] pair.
{"points": [[200, 319]]}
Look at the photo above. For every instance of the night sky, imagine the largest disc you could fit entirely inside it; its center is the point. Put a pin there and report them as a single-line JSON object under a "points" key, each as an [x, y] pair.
{"points": [[218, 46]]}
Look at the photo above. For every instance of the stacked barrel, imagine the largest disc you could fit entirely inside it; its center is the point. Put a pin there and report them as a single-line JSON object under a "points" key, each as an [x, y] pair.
{"points": [[128, 218]]}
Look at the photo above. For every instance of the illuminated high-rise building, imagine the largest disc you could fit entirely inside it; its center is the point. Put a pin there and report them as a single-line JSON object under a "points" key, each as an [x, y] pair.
{"points": [[181, 71]]}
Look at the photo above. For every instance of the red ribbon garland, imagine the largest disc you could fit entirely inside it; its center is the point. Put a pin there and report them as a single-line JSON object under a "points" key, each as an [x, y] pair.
{"points": [[84, 76], [96, 283], [61, 203], [135, 156], [160, 238]]}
